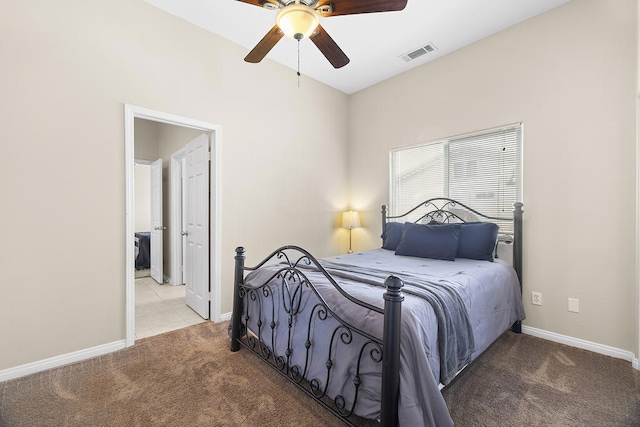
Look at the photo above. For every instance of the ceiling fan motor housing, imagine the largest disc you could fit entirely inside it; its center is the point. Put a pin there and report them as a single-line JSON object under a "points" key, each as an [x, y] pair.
{"points": [[325, 9]]}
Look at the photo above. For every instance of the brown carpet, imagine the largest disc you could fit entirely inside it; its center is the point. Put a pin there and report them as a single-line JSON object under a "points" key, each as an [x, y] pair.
{"points": [[190, 378], [526, 381]]}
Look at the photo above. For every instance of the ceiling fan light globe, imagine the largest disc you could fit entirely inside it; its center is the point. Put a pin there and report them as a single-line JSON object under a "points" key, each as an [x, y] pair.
{"points": [[297, 21]]}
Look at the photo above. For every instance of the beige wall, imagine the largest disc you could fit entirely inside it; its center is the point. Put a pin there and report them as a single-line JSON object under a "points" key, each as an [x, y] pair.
{"points": [[146, 135], [142, 197], [569, 76], [67, 70], [145, 149]]}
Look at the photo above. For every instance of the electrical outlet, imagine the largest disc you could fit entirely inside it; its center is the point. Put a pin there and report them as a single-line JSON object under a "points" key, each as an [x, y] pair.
{"points": [[536, 298], [574, 305]]}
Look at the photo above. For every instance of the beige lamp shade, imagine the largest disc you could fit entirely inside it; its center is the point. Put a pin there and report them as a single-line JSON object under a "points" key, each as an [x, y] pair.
{"points": [[350, 219]]}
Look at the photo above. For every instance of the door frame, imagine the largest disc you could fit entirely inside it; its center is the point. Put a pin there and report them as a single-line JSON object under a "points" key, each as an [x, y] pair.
{"points": [[132, 112], [636, 359]]}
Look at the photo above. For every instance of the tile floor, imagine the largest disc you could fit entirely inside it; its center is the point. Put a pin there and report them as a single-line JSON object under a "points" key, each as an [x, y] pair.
{"points": [[161, 308]]}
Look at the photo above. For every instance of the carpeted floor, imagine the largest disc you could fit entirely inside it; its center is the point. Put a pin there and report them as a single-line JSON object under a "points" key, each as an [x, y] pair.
{"points": [[189, 377], [526, 381]]}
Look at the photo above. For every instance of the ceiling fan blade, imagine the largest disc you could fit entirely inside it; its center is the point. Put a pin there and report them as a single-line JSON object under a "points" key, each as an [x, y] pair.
{"points": [[352, 7], [260, 2], [265, 45], [329, 48]]}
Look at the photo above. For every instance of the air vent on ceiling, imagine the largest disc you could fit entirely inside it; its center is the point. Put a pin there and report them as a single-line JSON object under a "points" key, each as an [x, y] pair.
{"points": [[417, 53]]}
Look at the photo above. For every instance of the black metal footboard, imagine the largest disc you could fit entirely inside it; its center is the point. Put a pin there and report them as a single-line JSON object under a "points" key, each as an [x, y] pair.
{"points": [[284, 318]]}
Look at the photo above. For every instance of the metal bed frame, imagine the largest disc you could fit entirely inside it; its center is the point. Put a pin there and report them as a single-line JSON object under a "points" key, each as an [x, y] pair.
{"points": [[291, 287]]}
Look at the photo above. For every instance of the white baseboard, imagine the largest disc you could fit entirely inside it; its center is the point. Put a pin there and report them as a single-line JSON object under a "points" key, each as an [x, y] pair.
{"points": [[65, 359], [583, 344], [225, 317]]}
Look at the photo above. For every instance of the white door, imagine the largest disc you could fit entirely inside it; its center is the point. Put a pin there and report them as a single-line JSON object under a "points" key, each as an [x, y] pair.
{"points": [[183, 219], [157, 228], [197, 222]]}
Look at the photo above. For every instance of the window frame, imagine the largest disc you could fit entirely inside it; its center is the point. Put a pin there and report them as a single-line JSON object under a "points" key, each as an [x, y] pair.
{"points": [[518, 128]]}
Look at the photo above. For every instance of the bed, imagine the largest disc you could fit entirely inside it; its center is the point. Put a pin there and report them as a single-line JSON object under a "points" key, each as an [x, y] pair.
{"points": [[375, 335], [142, 250]]}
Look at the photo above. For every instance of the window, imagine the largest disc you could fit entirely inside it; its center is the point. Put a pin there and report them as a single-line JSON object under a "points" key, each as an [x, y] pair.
{"points": [[482, 170]]}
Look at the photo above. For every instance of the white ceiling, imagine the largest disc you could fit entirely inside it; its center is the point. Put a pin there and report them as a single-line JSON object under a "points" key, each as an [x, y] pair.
{"points": [[374, 42]]}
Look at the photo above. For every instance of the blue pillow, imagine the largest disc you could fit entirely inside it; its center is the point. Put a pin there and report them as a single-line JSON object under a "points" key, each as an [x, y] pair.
{"points": [[477, 240], [391, 235], [429, 241]]}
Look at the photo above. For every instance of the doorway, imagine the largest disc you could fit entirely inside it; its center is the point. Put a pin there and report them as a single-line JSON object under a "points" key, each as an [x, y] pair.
{"points": [[212, 261]]}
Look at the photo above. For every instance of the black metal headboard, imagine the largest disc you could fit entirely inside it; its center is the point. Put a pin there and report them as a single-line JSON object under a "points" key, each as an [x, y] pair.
{"points": [[442, 209]]}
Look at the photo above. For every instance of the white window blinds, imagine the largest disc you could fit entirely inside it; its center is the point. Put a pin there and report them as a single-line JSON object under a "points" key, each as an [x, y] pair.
{"points": [[482, 170]]}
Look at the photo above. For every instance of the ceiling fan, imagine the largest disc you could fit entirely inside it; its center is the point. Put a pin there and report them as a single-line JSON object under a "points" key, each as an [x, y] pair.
{"points": [[301, 18]]}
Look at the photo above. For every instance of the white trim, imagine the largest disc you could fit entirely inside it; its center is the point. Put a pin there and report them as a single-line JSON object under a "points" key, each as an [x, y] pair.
{"points": [[225, 317], [580, 343], [65, 359], [130, 113], [130, 294], [637, 278], [215, 217]]}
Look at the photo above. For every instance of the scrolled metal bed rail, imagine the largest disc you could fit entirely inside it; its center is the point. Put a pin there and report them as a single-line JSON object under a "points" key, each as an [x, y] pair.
{"points": [[291, 283]]}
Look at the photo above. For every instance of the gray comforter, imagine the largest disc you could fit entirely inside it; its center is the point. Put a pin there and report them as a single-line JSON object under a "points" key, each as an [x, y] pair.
{"points": [[455, 337], [451, 313]]}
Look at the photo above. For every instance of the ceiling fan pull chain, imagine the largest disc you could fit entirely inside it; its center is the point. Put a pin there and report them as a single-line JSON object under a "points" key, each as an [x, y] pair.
{"points": [[298, 63]]}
